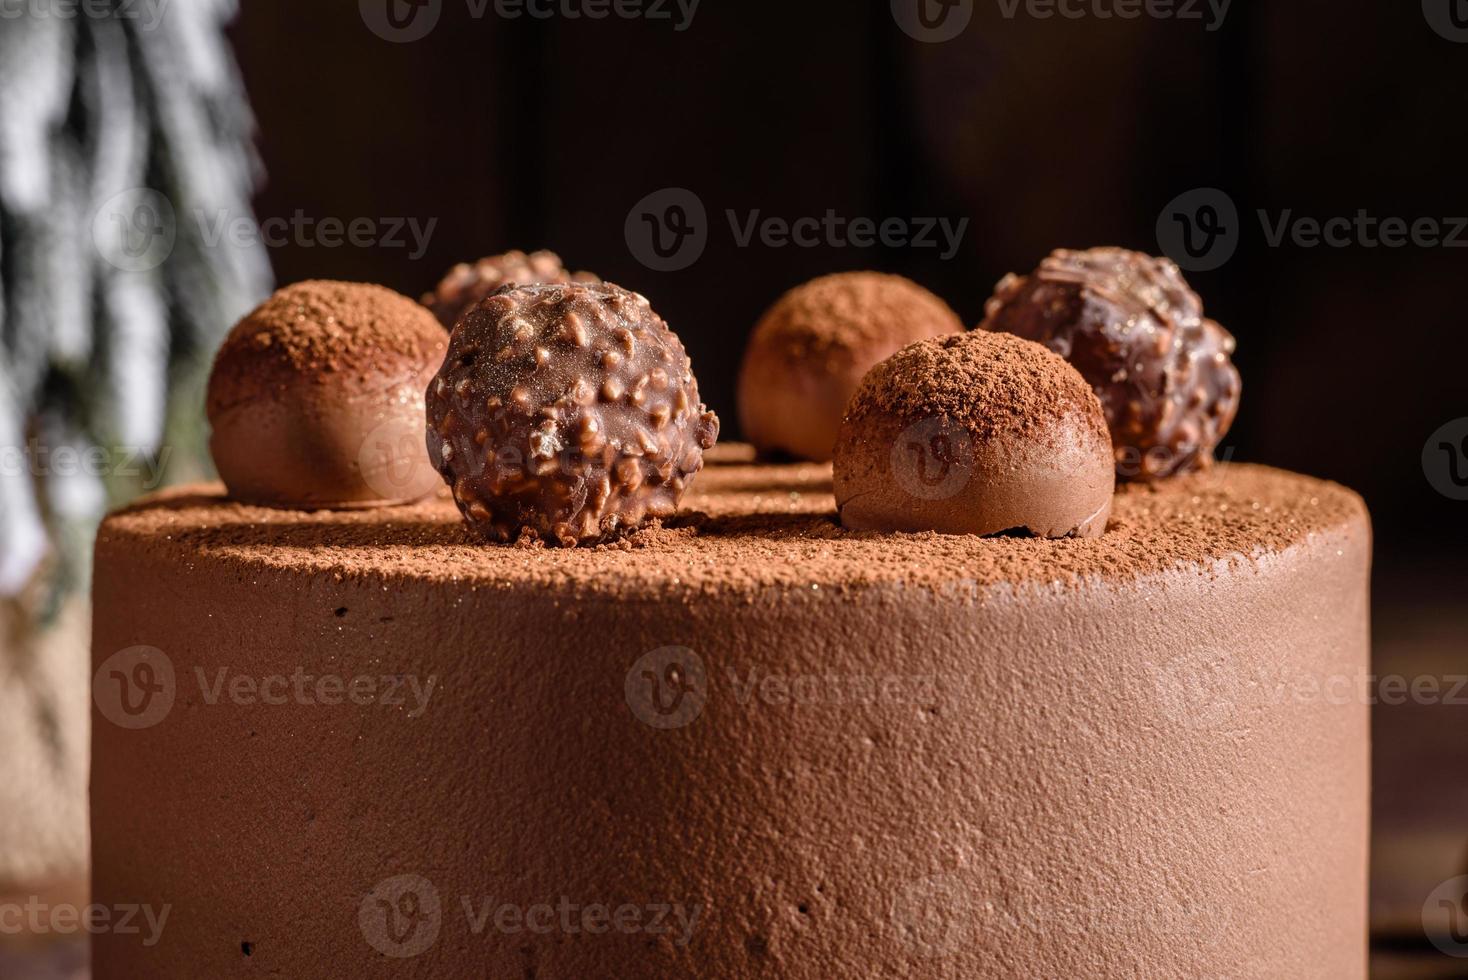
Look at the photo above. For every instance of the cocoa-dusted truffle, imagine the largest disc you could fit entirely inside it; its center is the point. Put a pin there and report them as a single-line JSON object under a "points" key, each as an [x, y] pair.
{"points": [[316, 398], [566, 411], [1136, 332], [467, 284], [808, 354], [978, 433]]}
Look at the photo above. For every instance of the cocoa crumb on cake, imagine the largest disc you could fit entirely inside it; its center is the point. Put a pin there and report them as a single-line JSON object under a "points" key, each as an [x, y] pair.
{"points": [[751, 527]]}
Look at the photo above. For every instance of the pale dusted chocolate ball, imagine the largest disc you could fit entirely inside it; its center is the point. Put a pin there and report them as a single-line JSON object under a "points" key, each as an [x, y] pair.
{"points": [[567, 413], [810, 350], [977, 433], [316, 399]]}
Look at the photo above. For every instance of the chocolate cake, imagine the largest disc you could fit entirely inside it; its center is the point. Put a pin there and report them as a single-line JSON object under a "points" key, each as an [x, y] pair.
{"points": [[753, 736]]}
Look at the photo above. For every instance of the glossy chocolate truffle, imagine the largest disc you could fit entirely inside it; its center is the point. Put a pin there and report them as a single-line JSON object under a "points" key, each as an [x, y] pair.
{"points": [[468, 283], [978, 433], [316, 398], [568, 412], [1136, 332], [810, 350]]}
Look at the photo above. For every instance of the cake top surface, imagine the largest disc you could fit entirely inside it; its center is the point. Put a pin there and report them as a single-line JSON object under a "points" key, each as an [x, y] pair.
{"points": [[749, 527]]}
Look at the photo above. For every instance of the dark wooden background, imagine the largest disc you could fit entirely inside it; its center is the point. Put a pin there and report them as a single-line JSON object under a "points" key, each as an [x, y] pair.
{"points": [[1043, 133]]}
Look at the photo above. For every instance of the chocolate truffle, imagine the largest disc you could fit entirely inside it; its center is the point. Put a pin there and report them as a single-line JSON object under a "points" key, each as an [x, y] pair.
{"points": [[978, 433], [1136, 332], [466, 284], [566, 412], [316, 398], [810, 350]]}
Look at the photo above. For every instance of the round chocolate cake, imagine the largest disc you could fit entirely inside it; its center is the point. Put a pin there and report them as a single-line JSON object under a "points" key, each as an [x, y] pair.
{"points": [[615, 702], [835, 754]]}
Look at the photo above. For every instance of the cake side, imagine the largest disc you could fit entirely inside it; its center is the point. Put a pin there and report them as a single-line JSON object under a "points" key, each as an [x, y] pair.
{"points": [[952, 757]]}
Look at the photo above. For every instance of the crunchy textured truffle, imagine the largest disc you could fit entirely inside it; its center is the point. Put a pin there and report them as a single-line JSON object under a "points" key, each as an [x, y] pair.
{"points": [[466, 284], [568, 411], [810, 350], [979, 433], [316, 398], [1136, 332]]}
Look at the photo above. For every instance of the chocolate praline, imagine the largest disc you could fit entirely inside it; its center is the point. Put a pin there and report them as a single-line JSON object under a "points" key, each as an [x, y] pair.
{"points": [[809, 352], [1137, 333], [316, 398], [467, 283], [978, 433], [566, 412]]}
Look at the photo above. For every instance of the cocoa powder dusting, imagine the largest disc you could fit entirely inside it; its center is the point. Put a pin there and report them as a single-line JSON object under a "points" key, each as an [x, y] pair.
{"points": [[320, 327], [994, 384], [829, 319], [751, 529]]}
